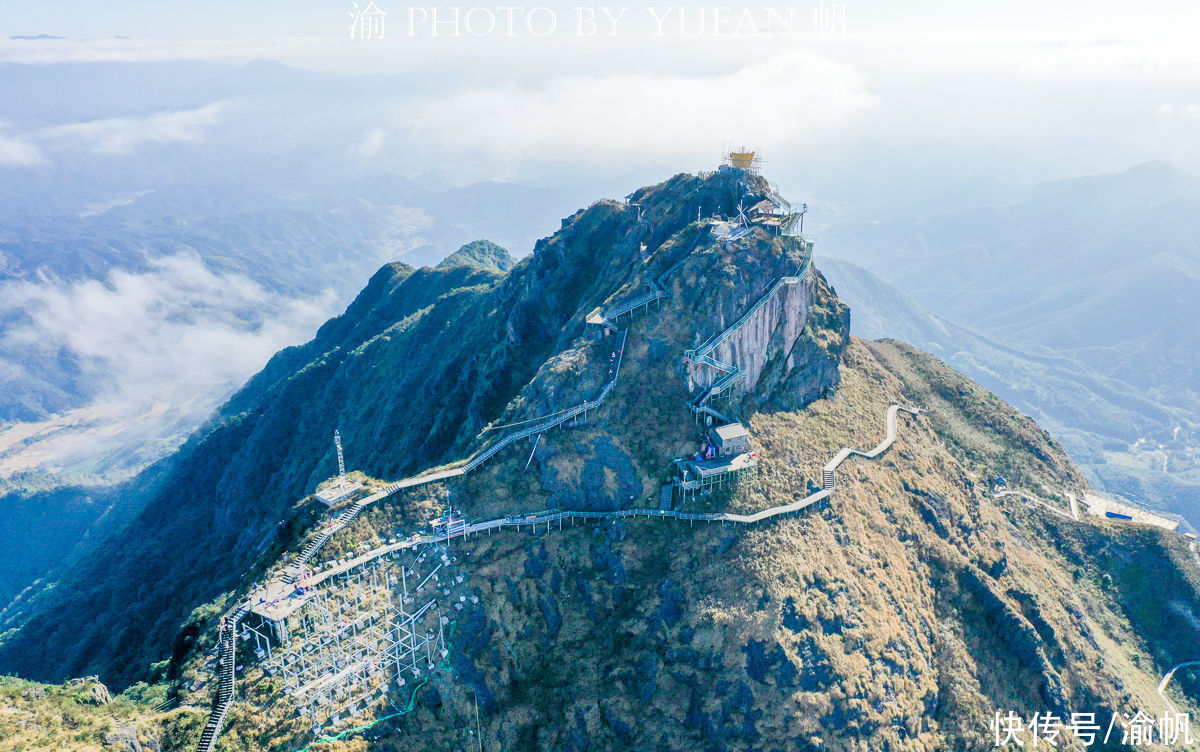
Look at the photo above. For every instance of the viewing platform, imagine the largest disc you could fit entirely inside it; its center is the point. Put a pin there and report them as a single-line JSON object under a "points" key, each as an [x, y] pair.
{"points": [[1123, 509], [701, 472], [338, 491]]}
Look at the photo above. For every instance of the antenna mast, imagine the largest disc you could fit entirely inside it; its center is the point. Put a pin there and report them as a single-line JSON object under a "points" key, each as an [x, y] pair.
{"points": [[337, 441]]}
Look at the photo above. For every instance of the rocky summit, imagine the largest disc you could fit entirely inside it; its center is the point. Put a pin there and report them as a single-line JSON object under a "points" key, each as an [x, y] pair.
{"points": [[639, 490]]}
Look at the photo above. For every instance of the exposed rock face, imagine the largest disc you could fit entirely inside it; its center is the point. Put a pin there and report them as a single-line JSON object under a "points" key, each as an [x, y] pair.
{"points": [[91, 691], [123, 738], [772, 331], [595, 474], [792, 378], [788, 348]]}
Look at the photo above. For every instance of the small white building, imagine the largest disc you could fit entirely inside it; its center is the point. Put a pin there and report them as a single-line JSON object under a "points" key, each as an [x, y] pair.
{"points": [[730, 439]]}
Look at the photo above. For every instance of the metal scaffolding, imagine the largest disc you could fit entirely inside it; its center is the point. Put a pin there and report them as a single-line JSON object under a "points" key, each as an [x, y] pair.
{"points": [[357, 636]]}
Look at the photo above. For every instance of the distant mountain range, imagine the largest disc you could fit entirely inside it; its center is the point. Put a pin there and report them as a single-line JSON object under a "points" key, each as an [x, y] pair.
{"points": [[1077, 303]]}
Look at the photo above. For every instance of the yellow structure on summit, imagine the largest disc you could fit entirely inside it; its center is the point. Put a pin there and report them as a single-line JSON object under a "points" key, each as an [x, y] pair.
{"points": [[743, 159]]}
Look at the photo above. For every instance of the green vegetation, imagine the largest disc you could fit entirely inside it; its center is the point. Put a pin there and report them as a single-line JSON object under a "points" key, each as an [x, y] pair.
{"points": [[479, 254], [82, 716]]}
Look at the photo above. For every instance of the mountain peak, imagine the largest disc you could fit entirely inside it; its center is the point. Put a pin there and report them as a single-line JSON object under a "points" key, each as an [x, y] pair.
{"points": [[1144, 184], [479, 254]]}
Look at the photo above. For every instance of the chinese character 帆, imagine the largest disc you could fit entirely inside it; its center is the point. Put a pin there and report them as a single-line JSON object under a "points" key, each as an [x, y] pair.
{"points": [[1175, 728]]}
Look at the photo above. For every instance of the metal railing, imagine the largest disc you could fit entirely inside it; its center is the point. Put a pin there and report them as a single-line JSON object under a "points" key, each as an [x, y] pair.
{"points": [[548, 516]]}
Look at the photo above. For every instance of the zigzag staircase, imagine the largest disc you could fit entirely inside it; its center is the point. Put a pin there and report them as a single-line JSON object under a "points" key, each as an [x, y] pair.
{"points": [[703, 355]]}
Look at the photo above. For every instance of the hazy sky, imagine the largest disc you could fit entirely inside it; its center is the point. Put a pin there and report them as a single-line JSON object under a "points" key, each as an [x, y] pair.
{"points": [[1077, 86]]}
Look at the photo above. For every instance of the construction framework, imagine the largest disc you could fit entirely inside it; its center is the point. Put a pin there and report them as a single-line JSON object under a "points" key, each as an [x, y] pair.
{"points": [[354, 638]]}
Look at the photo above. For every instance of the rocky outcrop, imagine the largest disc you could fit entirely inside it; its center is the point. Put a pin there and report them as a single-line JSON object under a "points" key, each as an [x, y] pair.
{"points": [[90, 691], [775, 334], [124, 738], [787, 350], [1018, 636], [771, 330]]}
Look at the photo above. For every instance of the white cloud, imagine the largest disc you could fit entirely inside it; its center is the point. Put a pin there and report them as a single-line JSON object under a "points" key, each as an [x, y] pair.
{"points": [[164, 345], [787, 102], [124, 135], [178, 320], [101, 207], [1179, 111], [18, 152], [370, 144]]}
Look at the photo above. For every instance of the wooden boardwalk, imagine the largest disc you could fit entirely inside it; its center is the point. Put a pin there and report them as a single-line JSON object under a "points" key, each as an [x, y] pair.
{"points": [[281, 601]]}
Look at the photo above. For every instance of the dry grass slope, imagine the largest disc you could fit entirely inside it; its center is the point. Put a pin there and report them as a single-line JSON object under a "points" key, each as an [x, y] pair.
{"points": [[897, 618]]}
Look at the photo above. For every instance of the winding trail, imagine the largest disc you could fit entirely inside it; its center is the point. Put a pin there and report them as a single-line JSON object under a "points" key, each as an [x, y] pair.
{"points": [[605, 317], [292, 573], [288, 603], [226, 647], [1072, 515], [1162, 686]]}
